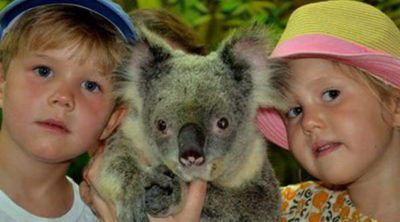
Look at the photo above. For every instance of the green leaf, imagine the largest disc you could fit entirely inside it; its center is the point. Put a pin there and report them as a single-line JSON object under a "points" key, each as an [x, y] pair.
{"points": [[263, 4], [149, 3], [201, 20], [3, 4], [201, 7], [230, 6], [241, 9], [234, 23]]}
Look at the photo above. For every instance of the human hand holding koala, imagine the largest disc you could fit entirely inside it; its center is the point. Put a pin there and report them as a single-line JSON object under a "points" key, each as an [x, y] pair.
{"points": [[106, 211], [192, 117]]}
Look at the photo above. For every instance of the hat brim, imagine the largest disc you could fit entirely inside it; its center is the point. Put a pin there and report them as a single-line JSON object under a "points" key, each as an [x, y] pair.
{"points": [[271, 125], [109, 10], [381, 65]]}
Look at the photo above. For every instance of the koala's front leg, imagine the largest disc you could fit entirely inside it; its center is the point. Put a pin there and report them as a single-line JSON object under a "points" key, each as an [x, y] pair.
{"points": [[121, 179], [164, 192]]}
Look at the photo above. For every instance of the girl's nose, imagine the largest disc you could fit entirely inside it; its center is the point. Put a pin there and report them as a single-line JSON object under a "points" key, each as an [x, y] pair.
{"points": [[312, 120]]}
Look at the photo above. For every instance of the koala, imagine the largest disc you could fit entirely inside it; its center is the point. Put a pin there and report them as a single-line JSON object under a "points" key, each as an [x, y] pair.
{"points": [[193, 117]]}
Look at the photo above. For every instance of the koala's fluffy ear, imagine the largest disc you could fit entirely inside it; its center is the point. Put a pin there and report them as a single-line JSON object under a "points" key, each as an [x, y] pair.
{"points": [[147, 55], [149, 52], [246, 53]]}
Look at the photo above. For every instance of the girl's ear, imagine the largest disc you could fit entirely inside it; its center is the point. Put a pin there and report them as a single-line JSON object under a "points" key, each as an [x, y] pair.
{"points": [[115, 119], [2, 84], [395, 108]]}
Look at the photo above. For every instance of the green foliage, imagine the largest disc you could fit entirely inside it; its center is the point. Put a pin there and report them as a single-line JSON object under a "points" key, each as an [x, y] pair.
{"points": [[75, 170], [214, 19], [3, 3]]}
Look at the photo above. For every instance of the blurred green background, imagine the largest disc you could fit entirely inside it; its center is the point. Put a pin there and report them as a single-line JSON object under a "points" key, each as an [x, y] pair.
{"points": [[212, 20]]}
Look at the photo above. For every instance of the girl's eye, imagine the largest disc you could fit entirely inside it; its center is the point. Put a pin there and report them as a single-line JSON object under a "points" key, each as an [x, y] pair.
{"points": [[43, 71], [293, 112], [330, 95], [90, 86]]}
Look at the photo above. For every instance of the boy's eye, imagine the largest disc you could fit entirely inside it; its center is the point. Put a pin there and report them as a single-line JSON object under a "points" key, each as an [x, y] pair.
{"points": [[293, 112], [330, 95], [91, 86], [43, 71]]}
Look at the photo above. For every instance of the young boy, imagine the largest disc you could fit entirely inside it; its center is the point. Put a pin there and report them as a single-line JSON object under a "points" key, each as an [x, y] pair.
{"points": [[56, 64]]}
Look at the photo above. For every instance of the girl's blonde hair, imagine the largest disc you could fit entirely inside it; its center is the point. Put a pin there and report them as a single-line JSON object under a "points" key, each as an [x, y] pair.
{"points": [[382, 90]]}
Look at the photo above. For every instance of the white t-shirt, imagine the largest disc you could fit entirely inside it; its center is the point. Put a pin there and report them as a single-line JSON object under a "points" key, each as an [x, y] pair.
{"points": [[79, 212]]}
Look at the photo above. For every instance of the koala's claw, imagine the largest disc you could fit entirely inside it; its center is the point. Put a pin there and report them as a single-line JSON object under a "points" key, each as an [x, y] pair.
{"points": [[162, 193], [157, 199]]}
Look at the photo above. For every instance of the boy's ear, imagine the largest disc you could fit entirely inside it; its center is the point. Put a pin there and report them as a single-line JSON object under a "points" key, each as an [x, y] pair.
{"points": [[2, 83], [115, 119]]}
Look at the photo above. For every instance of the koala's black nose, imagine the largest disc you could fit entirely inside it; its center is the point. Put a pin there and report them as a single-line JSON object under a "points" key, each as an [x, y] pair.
{"points": [[191, 141]]}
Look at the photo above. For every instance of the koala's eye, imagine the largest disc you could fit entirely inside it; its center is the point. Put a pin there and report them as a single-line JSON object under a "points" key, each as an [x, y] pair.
{"points": [[223, 123], [161, 125]]}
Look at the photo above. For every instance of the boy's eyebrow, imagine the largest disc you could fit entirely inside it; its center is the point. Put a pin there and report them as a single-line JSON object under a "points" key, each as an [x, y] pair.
{"points": [[42, 55], [33, 55], [96, 70]]}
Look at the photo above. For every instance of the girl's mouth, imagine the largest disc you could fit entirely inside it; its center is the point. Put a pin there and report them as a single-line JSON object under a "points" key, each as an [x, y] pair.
{"points": [[323, 149]]}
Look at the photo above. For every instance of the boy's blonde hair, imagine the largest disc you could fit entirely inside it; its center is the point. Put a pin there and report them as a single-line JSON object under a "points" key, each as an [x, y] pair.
{"points": [[60, 26]]}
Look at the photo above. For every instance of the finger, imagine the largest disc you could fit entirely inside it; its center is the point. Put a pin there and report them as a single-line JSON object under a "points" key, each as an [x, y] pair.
{"points": [[84, 191], [194, 202], [103, 210], [92, 169], [161, 219], [196, 195]]}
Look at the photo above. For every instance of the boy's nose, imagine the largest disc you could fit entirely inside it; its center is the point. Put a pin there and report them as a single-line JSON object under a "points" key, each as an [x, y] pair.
{"points": [[63, 99]]}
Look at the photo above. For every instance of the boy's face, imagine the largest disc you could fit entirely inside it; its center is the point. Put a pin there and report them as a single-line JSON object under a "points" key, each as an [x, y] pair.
{"points": [[337, 127], [55, 107]]}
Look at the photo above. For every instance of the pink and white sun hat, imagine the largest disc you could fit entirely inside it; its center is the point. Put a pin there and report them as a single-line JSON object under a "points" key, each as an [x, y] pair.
{"points": [[349, 32]]}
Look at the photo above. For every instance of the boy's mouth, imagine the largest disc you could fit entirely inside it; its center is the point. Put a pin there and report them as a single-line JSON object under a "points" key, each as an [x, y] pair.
{"points": [[324, 148], [54, 126]]}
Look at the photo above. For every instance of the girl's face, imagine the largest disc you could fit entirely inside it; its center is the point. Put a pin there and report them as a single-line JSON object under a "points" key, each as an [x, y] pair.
{"points": [[337, 128]]}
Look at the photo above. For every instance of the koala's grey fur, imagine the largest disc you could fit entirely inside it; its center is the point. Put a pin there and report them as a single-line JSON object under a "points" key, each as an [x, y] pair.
{"points": [[193, 117]]}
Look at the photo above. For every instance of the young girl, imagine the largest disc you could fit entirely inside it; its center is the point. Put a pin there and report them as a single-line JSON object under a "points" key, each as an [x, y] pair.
{"points": [[343, 115]]}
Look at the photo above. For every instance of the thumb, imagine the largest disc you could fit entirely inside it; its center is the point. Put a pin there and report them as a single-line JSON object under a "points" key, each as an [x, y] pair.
{"points": [[195, 201]]}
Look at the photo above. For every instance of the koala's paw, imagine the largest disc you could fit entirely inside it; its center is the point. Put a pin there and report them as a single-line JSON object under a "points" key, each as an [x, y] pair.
{"points": [[163, 192]]}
